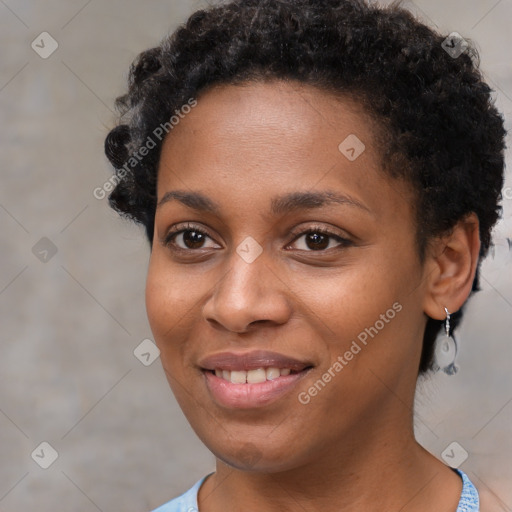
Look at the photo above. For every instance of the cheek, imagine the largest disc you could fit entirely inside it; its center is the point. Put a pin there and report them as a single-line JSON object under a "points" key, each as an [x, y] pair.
{"points": [[352, 300], [168, 299], [369, 314], [174, 297], [157, 299], [166, 309]]}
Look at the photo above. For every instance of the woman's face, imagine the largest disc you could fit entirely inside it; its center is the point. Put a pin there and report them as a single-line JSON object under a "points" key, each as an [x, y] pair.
{"points": [[281, 345]]}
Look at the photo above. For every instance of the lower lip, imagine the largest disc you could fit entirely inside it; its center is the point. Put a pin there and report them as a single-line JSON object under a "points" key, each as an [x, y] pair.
{"points": [[248, 396]]}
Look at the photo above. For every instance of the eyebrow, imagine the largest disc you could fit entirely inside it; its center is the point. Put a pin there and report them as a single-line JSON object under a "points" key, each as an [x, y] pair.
{"points": [[279, 205]]}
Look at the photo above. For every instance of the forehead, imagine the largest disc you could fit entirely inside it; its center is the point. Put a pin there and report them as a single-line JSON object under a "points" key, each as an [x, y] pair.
{"points": [[277, 135], [263, 109]]}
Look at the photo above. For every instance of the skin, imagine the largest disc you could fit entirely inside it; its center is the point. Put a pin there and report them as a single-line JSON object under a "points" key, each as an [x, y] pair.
{"points": [[352, 446]]}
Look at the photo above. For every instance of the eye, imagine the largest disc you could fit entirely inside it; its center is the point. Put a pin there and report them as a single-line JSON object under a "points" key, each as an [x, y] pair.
{"points": [[187, 238], [320, 239]]}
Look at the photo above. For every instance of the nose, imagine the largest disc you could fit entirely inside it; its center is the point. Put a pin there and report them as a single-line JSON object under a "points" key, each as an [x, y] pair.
{"points": [[248, 294]]}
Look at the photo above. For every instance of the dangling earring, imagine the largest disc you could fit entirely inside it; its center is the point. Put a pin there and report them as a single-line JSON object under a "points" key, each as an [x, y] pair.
{"points": [[446, 350]]}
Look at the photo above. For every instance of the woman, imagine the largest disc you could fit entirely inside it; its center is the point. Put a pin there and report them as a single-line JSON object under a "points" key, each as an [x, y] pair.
{"points": [[318, 181]]}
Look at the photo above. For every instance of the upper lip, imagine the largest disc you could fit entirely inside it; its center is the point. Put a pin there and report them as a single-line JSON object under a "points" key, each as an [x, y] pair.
{"points": [[253, 360]]}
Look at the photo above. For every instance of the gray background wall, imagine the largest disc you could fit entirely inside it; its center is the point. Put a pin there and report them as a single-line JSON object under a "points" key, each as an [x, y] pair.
{"points": [[70, 324]]}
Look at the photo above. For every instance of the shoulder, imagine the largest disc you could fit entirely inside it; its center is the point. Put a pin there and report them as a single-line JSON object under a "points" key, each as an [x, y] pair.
{"points": [[187, 502]]}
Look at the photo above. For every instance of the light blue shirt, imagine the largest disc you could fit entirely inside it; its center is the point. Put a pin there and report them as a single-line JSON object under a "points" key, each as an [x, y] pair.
{"points": [[187, 502]]}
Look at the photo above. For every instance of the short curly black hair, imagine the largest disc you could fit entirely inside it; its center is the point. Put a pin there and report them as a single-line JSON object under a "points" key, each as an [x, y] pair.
{"points": [[440, 130]]}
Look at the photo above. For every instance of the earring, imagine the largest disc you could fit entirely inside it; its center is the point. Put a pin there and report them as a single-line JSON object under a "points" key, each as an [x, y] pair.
{"points": [[446, 350]]}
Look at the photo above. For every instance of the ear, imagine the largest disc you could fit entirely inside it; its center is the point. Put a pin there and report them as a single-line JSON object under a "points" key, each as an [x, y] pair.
{"points": [[450, 267]]}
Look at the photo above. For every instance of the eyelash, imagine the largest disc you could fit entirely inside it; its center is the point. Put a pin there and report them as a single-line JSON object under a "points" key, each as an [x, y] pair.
{"points": [[168, 240]]}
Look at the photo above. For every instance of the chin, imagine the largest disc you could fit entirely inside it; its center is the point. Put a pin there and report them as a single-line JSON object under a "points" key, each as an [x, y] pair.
{"points": [[259, 457]]}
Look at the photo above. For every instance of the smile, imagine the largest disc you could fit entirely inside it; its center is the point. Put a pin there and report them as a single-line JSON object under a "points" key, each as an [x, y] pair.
{"points": [[253, 379]]}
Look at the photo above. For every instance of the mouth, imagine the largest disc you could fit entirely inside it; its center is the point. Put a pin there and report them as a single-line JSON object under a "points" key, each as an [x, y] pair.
{"points": [[253, 379]]}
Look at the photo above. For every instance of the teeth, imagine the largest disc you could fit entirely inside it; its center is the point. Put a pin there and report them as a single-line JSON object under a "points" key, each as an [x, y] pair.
{"points": [[273, 373], [252, 376], [238, 377], [256, 376]]}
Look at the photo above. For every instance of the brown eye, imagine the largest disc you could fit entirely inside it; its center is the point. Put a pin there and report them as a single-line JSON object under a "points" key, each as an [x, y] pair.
{"points": [[192, 239], [188, 238], [317, 239]]}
